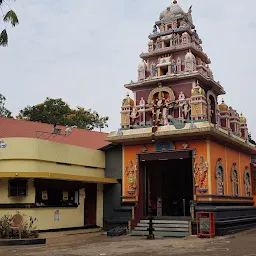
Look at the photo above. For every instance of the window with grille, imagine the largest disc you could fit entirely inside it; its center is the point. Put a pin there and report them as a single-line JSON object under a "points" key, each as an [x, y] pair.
{"points": [[18, 188]]}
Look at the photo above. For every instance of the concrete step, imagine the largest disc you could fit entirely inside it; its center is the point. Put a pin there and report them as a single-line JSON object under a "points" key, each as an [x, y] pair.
{"points": [[166, 221], [164, 229], [160, 233], [165, 225]]}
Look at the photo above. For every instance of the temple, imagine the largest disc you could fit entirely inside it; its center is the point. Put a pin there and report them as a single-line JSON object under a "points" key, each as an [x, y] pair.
{"points": [[182, 151]]}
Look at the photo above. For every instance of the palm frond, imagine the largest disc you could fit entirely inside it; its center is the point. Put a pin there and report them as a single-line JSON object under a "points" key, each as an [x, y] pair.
{"points": [[4, 38], [11, 17], [1, 1]]}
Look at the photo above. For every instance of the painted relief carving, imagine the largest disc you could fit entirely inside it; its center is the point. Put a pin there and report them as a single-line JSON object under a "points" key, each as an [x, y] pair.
{"points": [[144, 149], [234, 180], [131, 173], [186, 110], [161, 99], [153, 70], [134, 116], [164, 146], [247, 182], [185, 146], [201, 174], [220, 178]]}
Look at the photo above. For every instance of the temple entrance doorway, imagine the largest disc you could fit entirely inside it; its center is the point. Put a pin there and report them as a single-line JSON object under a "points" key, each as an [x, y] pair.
{"points": [[168, 183]]}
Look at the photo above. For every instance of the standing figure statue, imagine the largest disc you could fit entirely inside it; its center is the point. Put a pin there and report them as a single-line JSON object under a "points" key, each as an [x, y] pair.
{"points": [[134, 116], [131, 172], [173, 40], [186, 110], [247, 184], [201, 171], [166, 111], [157, 111], [153, 70], [158, 43], [155, 29], [173, 67], [220, 185]]}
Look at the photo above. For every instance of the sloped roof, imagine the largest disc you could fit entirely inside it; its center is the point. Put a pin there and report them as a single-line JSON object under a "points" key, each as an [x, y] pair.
{"points": [[79, 137]]}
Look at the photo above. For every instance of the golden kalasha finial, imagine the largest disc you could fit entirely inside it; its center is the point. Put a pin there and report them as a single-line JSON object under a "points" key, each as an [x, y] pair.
{"points": [[175, 1]]}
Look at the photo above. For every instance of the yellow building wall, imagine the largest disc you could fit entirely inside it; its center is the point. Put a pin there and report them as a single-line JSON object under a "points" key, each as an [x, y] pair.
{"points": [[69, 217], [35, 158], [4, 199], [35, 166], [43, 150]]}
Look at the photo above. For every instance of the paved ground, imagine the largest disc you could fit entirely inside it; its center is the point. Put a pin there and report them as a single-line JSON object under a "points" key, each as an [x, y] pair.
{"points": [[96, 244]]}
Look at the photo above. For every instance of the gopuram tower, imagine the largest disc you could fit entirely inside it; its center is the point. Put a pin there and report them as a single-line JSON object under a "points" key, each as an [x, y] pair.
{"points": [[181, 150]]}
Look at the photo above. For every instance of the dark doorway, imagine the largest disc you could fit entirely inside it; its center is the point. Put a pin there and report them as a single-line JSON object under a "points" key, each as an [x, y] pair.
{"points": [[90, 204], [168, 184]]}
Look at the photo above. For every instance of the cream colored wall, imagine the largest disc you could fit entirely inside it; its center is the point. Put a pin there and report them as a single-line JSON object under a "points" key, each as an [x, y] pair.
{"points": [[35, 155], [4, 199], [69, 217], [33, 166], [36, 149]]}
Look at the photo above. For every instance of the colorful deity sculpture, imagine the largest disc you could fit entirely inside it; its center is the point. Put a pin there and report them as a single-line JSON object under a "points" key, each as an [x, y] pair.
{"points": [[201, 173], [131, 172], [220, 178], [134, 116]]}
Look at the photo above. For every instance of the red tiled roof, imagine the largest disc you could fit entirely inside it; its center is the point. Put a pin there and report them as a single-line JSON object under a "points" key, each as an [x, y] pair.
{"points": [[21, 128]]}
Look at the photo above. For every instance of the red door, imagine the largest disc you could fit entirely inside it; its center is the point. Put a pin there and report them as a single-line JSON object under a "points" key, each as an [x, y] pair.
{"points": [[90, 204]]}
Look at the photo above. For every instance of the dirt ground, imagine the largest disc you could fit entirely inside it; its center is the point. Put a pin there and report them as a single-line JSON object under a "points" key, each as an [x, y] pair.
{"points": [[94, 243]]}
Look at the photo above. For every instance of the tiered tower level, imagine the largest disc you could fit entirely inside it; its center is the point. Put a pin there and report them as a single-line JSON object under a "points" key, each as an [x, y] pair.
{"points": [[175, 82], [175, 108]]}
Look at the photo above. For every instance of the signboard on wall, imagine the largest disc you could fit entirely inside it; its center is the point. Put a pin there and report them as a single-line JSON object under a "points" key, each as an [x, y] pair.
{"points": [[44, 195], [204, 224], [57, 215], [65, 196]]}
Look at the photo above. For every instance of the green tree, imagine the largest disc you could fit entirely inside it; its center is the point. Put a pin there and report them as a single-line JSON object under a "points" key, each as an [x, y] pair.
{"points": [[8, 17], [3, 111], [56, 111]]}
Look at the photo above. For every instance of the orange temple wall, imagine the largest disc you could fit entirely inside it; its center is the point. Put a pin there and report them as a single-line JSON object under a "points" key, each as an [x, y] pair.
{"points": [[211, 151]]}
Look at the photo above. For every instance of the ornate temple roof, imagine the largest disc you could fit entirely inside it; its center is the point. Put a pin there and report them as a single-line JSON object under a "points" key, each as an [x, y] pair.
{"points": [[171, 12], [128, 101], [223, 107], [243, 119], [174, 12]]}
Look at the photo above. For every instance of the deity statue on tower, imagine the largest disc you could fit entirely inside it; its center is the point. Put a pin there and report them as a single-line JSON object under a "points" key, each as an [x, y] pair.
{"points": [[134, 116]]}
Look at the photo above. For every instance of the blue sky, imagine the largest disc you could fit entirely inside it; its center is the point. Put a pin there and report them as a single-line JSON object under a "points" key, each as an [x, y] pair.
{"points": [[85, 51]]}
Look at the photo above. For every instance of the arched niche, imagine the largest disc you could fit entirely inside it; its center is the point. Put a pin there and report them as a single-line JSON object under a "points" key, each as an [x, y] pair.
{"points": [[166, 91], [247, 182], [219, 175], [234, 180], [212, 107]]}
